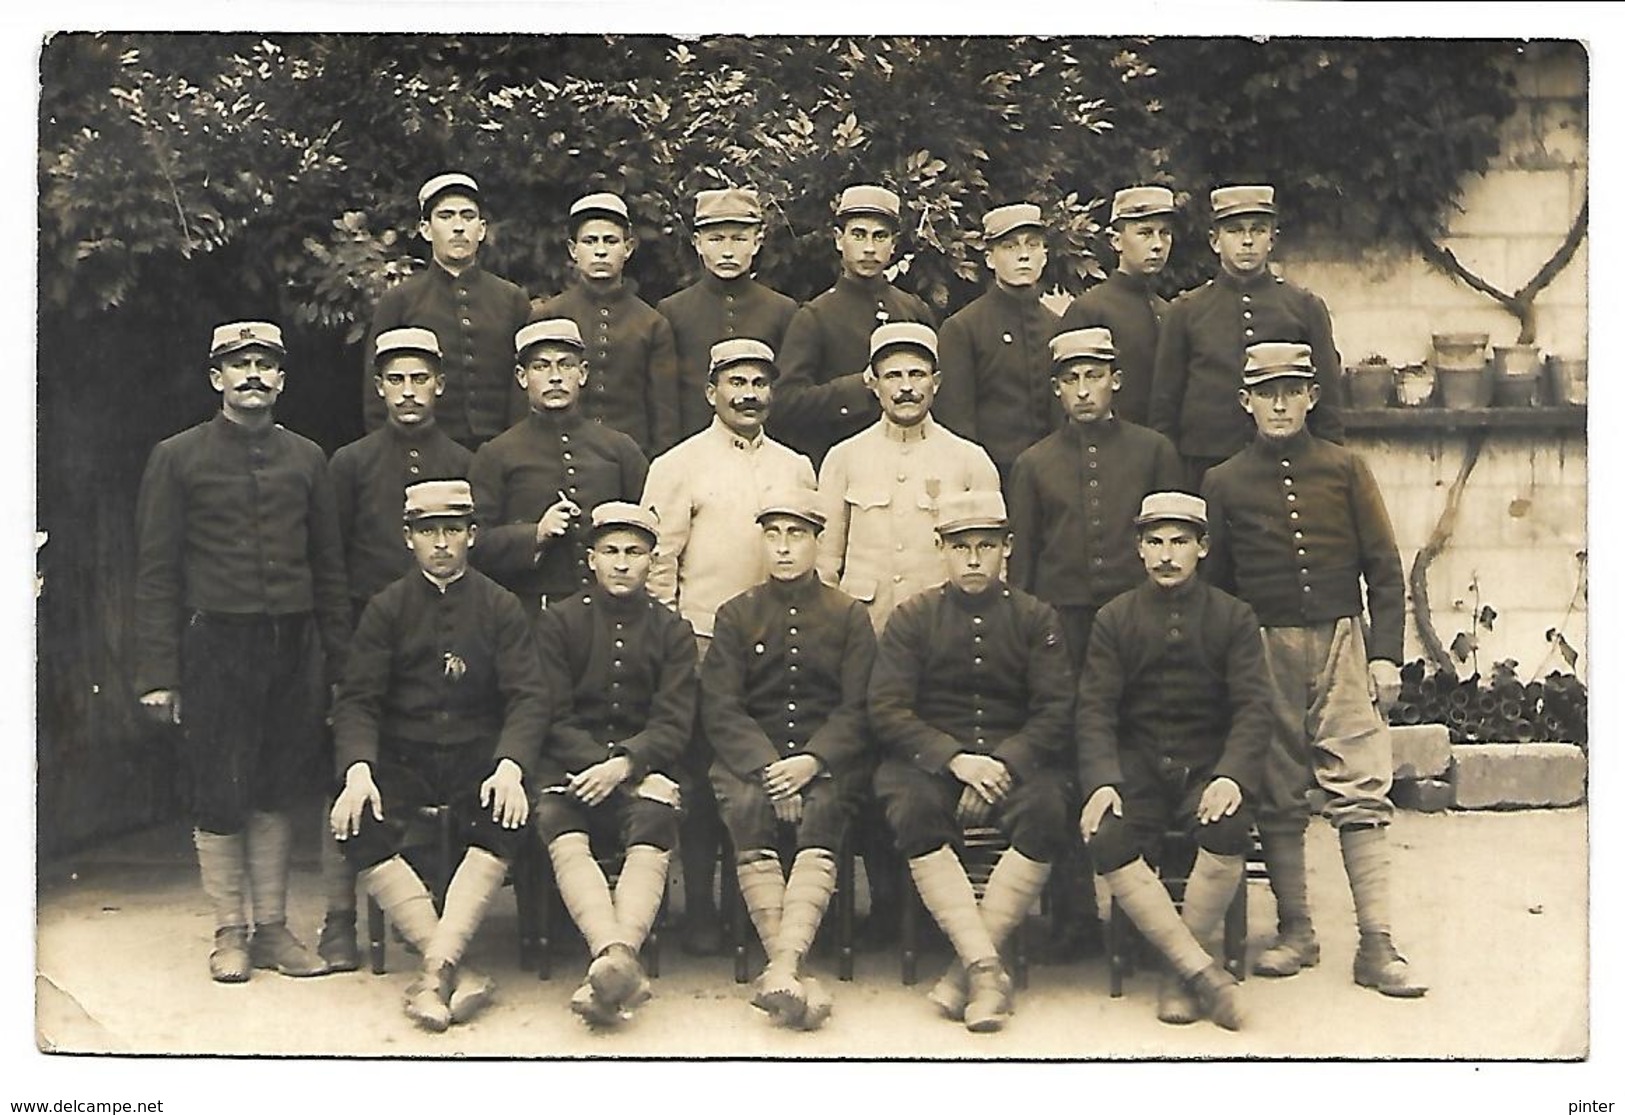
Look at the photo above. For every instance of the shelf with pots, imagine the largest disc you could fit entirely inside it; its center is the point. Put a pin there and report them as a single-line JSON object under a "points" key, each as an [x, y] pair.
{"points": [[1462, 387]]}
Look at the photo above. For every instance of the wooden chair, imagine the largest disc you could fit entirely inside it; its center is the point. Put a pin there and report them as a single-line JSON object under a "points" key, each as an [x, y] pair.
{"points": [[979, 849], [736, 919], [432, 830], [1173, 866]]}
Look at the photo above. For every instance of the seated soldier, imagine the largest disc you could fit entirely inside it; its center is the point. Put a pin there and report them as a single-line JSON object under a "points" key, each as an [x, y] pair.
{"points": [[783, 689], [442, 702], [620, 667], [971, 702], [1172, 722]]}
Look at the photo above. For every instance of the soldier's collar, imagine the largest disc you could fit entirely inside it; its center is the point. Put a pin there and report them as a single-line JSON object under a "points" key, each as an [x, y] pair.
{"points": [[557, 421], [1265, 277], [441, 584], [797, 591], [907, 435], [438, 269], [720, 429]]}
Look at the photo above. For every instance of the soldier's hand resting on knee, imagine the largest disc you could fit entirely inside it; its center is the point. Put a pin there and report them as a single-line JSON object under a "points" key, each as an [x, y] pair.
{"points": [[359, 792], [788, 810], [1221, 798], [972, 810], [598, 781], [989, 777], [1104, 800], [504, 794]]}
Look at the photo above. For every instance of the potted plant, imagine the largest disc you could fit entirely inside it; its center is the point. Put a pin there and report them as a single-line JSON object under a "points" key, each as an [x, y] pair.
{"points": [[1370, 382]]}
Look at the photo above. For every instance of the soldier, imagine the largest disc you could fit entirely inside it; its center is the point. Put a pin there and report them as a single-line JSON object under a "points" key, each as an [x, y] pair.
{"points": [[443, 703], [971, 705], [705, 491], [370, 476], [629, 346], [1206, 331], [472, 312], [1074, 495], [881, 486], [239, 576], [726, 302], [622, 671], [1298, 524], [824, 396], [531, 483], [995, 352], [1172, 723], [783, 703], [1142, 237]]}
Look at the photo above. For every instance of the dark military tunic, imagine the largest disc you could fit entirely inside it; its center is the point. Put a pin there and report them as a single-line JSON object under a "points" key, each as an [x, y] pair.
{"points": [[1202, 350], [1173, 676], [1127, 306], [623, 677], [1295, 527], [370, 476], [1073, 500], [474, 315], [821, 398], [995, 362], [631, 361], [787, 674], [517, 476], [986, 673], [713, 310], [237, 522]]}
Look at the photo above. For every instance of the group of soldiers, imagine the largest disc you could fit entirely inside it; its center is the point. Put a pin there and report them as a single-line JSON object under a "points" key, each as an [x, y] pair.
{"points": [[887, 584]]}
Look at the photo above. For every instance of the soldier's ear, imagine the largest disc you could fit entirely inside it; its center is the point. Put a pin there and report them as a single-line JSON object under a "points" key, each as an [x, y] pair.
{"points": [[406, 535], [1245, 399], [1314, 395], [473, 530], [216, 380], [1202, 545], [439, 384]]}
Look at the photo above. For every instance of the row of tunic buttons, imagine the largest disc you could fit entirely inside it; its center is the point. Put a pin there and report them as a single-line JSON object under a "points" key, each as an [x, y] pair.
{"points": [[615, 664], [976, 696], [1247, 300], [462, 305], [1297, 535], [790, 703]]}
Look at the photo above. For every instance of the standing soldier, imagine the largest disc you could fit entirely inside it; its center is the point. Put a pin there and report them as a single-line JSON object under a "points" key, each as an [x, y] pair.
{"points": [[726, 302], [1172, 723], [783, 702], [1298, 524], [531, 483], [1207, 330], [995, 352], [824, 396], [370, 476], [472, 312], [628, 345], [443, 704], [705, 491], [1142, 236], [622, 672], [239, 577], [971, 705]]}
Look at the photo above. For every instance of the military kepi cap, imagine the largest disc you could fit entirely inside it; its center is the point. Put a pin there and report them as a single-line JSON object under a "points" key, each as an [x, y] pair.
{"points": [[235, 335], [620, 515], [1094, 343], [1179, 507], [1004, 220], [895, 333], [559, 330], [1233, 201], [440, 183], [1138, 202], [601, 205], [875, 200], [741, 350], [973, 510], [439, 499], [1276, 359], [732, 206], [798, 503], [407, 339]]}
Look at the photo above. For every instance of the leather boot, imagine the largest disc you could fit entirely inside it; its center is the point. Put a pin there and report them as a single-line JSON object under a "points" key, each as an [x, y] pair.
{"points": [[992, 1000], [616, 976], [229, 962], [1293, 949], [585, 1004], [471, 992], [1220, 996], [1176, 1004], [337, 944], [276, 949], [951, 992], [428, 998], [820, 1004], [1378, 965]]}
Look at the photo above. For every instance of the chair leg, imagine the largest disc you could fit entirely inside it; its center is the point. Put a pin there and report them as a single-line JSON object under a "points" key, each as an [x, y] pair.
{"points": [[845, 899], [522, 873], [546, 901], [443, 850], [651, 942], [908, 928], [375, 935], [1235, 933], [1116, 950], [1019, 955]]}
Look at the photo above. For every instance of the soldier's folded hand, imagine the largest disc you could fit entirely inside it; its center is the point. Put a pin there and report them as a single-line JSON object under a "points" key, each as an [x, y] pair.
{"points": [[972, 810], [1094, 810], [1221, 798], [787, 777], [988, 776], [788, 810], [504, 794], [359, 792], [597, 782]]}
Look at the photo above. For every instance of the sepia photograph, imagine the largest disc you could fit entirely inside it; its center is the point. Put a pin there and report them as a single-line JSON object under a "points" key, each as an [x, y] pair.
{"points": [[608, 545]]}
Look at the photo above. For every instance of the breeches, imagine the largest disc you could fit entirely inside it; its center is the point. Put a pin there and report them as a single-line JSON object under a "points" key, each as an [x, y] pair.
{"points": [[920, 809], [827, 808], [416, 775], [1155, 802]]}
